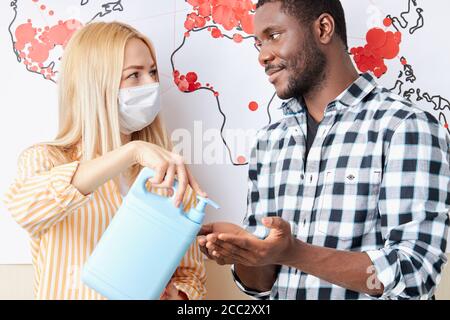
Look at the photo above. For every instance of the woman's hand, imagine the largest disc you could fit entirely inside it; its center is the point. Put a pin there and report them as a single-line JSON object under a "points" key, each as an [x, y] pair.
{"points": [[166, 165], [172, 293], [92, 174]]}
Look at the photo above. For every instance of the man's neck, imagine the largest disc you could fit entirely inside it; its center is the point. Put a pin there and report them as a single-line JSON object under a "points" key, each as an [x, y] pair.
{"points": [[340, 74]]}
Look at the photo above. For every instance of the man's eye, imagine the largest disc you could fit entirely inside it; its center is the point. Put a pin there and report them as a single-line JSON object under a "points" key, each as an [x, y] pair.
{"points": [[275, 36]]}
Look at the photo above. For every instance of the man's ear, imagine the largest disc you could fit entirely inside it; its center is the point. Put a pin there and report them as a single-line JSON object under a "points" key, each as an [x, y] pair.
{"points": [[324, 28]]}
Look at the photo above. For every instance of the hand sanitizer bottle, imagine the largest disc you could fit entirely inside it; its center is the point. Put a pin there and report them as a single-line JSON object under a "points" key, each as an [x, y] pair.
{"points": [[143, 245]]}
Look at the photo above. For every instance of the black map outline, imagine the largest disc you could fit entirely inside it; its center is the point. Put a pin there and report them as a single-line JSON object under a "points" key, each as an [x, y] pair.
{"points": [[408, 71], [219, 107], [419, 23]]}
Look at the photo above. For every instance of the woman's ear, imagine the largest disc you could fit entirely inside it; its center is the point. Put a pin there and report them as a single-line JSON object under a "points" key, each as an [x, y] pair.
{"points": [[325, 28]]}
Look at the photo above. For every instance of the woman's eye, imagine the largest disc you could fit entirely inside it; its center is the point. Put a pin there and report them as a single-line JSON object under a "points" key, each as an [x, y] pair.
{"points": [[153, 73], [134, 75]]}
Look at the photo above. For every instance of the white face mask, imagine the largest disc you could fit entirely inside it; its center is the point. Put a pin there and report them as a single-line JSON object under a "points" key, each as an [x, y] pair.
{"points": [[138, 107]]}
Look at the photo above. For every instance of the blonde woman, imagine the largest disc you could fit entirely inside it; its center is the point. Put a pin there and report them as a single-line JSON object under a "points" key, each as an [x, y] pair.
{"points": [[68, 190]]}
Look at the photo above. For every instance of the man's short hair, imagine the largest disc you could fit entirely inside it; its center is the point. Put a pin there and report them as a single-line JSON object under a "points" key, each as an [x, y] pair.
{"points": [[307, 11]]}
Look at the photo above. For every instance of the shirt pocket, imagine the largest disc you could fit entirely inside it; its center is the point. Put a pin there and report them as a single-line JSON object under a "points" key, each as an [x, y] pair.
{"points": [[348, 203]]}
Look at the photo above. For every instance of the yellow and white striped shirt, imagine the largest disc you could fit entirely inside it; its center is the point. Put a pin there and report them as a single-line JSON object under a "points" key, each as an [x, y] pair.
{"points": [[65, 226]]}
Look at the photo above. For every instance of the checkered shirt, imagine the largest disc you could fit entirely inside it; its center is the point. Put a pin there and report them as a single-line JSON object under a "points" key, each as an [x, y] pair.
{"points": [[377, 180]]}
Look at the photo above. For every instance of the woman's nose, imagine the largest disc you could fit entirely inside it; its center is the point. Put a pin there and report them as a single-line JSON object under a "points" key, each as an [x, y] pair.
{"points": [[147, 79]]}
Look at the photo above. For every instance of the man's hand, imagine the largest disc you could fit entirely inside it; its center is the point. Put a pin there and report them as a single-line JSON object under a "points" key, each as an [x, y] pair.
{"points": [[227, 243], [212, 230], [255, 260]]}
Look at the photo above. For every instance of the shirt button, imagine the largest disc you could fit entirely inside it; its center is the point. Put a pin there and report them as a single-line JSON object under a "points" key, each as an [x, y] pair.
{"points": [[302, 176]]}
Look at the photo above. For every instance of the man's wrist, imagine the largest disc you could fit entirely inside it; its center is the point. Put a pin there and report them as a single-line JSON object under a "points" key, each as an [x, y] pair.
{"points": [[292, 254], [255, 279]]}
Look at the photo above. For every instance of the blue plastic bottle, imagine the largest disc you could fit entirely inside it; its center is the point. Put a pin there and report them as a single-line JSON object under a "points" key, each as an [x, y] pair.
{"points": [[143, 245]]}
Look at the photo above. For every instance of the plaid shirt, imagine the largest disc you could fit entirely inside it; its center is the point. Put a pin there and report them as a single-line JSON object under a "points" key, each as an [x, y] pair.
{"points": [[377, 180]]}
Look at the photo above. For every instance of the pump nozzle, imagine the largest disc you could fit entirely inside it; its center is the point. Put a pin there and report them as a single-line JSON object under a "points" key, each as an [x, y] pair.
{"points": [[202, 202], [198, 213]]}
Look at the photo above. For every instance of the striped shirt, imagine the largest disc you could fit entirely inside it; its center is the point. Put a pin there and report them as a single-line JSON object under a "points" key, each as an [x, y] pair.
{"points": [[65, 225], [377, 180]]}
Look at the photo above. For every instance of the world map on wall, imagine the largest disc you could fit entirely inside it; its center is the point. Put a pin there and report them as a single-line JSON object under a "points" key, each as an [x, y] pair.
{"points": [[35, 41], [225, 21], [385, 44], [38, 42]]}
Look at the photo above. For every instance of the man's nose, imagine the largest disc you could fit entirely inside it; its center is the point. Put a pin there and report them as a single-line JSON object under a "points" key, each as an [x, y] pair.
{"points": [[265, 56]]}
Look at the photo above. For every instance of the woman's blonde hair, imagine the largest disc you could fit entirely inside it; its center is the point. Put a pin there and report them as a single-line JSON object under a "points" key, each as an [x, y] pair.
{"points": [[91, 71]]}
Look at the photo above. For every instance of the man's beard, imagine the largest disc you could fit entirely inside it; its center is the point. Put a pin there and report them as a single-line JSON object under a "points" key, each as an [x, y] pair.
{"points": [[308, 71]]}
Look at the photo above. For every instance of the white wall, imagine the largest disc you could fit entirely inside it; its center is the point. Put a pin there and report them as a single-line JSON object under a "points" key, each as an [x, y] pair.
{"points": [[29, 112]]}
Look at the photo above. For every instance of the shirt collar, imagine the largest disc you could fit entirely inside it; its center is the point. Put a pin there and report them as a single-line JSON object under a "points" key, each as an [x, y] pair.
{"points": [[351, 96], [293, 106]]}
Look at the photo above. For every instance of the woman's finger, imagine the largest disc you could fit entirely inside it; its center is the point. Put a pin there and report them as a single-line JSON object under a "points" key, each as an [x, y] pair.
{"points": [[194, 184], [160, 172], [169, 178], [172, 290], [164, 295], [182, 184]]}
